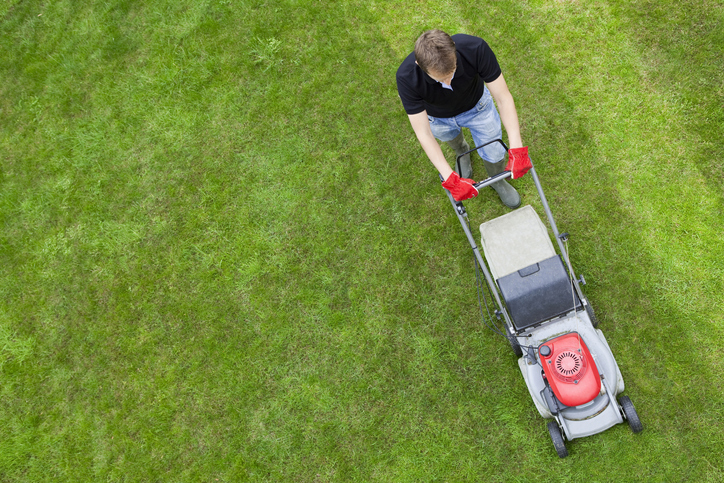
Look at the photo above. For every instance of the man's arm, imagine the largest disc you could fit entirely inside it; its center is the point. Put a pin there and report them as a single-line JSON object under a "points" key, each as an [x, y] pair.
{"points": [[421, 126], [506, 107]]}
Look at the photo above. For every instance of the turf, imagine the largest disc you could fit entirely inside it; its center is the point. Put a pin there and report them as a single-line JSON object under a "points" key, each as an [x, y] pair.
{"points": [[224, 256]]}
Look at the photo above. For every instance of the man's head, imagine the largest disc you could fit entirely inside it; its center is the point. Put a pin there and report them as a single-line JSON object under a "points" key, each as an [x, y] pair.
{"points": [[435, 54]]}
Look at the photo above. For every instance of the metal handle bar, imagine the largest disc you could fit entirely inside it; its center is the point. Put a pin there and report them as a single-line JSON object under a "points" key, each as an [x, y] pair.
{"points": [[492, 179]]}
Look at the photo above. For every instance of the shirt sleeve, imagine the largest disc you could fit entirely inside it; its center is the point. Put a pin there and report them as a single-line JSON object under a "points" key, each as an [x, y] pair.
{"points": [[411, 100], [487, 63]]}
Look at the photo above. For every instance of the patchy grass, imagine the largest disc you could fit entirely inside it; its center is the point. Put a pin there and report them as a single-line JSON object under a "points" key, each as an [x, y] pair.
{"points": [[225, 257]]}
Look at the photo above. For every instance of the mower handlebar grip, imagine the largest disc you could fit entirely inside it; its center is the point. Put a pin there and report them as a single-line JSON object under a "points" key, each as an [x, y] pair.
{"points": [[492, 179]]}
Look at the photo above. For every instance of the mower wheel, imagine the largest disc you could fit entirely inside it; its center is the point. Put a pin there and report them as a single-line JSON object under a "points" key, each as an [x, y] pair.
{"points": [[557, 438], [591, 315], [514, 345], [629, 411]]}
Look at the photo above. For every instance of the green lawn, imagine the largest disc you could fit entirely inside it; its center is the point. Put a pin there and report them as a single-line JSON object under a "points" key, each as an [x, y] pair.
{"points": [[224, 256]]}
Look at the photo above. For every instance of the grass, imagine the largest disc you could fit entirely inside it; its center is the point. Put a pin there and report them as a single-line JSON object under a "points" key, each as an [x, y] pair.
{"points": [[224, 256]]}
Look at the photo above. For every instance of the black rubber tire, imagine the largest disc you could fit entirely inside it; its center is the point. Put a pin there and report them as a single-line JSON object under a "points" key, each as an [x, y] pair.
{"points": [[514, 345], [557, 438], [629, 412], [591, 315]]}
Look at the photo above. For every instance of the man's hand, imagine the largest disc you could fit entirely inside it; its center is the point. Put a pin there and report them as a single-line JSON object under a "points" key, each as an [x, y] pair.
{"points": [[518, 162], [460, 188]]}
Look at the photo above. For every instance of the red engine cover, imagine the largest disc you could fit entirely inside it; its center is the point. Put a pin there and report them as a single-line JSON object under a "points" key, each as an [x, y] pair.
{"points": [[570, 369]]}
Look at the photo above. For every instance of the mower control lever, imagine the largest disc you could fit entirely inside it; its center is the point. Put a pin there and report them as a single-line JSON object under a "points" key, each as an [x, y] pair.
{"points": [[493, 179], [482, 146]]}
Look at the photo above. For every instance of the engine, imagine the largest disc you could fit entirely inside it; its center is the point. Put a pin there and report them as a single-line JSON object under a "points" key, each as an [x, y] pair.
{"points": [[570, 369]]}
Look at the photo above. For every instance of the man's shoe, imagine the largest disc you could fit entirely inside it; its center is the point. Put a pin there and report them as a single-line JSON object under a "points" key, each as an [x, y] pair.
{"points": [[460, 146], [508, 195]]}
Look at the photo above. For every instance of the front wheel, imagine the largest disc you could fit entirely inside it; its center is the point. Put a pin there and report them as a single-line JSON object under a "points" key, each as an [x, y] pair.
{"points": [[557, 438], [629, 411]]}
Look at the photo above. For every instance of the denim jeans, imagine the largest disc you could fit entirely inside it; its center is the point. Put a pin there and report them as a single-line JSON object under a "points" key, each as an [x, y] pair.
{"points": [[483, 121]]}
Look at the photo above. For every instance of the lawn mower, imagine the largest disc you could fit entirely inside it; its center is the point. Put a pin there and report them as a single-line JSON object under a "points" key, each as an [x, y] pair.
{"points": [[550, 325]]}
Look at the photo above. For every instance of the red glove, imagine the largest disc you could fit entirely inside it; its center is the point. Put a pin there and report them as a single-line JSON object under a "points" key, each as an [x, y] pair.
{"points": [[460, 188], [518, 162]]}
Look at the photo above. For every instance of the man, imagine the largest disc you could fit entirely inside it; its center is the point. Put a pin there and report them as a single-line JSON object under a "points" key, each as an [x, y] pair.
{"points": [[449, 83]]}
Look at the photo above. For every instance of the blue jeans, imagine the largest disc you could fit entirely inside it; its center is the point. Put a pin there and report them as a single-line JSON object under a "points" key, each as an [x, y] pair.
{"points": [[483, 121]]}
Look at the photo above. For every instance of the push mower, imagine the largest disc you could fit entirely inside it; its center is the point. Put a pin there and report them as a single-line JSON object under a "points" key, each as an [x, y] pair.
{"points": [[565, 360]]}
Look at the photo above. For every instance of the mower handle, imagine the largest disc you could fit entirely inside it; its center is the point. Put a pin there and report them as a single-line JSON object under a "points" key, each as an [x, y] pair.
{"points": [[492, 179], [487, 181]]}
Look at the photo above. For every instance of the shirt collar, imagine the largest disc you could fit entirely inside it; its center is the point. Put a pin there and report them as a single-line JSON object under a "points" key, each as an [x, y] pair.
{"points": [[445, 86]]}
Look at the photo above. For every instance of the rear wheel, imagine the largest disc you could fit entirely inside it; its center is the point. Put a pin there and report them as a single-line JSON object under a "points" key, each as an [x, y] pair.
{"points": [[514, 345], [557, 438], [629, 411], [591, 315]]}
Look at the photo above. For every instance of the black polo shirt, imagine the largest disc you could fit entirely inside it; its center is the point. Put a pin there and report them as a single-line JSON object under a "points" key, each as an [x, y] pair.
{"points": [[476, 64]]}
